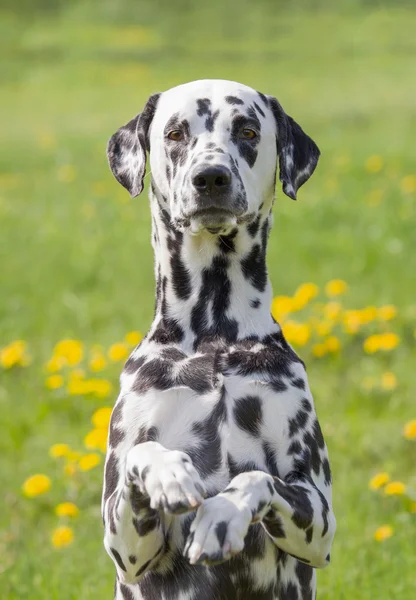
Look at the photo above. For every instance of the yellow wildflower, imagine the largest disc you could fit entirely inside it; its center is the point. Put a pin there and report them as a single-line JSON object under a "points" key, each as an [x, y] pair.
{"points": [[368, 314], [372, 344], [98, 362], [36, 485], [386, 313], [15, 354], [89, 461], [324, 328], [374, 163], [281, 307], [62, 536], [59, 450], [319, 350], [388, 381], [352, 321], [54, 381], [335, 287], [296, 333], [378, 481], [118, 352], [71, 350], [96, 439], [332, 344], [70, 469], [389, 341], [67, 173], [332, 310], [383, 533], [55, 364], [100, 387], [408, 184], [67, 509], [304, 294], [101, 418], [409, 430], [133, 338], [395, 488]]}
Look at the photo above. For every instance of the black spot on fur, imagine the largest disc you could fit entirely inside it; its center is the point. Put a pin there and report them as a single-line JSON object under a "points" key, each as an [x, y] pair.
{"points": [[111, 475], [181, 280], [248, 414], [327, 471], [253, 227], [274, 524], [299, 383], [270, 459], [146, 525], [255, 303], [305, 573], [126, 592], [133, 364], [233, 100], [118, 559], [206, 456], [236, 467], [317, 434], [257, 107], [204, 106], [221, 532]]}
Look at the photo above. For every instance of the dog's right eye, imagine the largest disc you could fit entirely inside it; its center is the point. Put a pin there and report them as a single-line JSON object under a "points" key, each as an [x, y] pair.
{"points": [[176, 135]]}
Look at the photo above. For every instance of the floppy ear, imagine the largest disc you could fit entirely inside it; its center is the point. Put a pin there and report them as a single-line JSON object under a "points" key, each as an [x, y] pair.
{"points": [[298, 153], [126, 149]]}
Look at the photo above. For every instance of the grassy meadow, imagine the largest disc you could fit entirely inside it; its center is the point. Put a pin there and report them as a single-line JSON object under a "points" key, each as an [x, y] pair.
{"points": [[76, 262]]}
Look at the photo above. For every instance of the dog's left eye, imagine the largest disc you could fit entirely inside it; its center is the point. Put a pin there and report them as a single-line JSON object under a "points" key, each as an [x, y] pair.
{"points": [[248, 134], [175, 135]]}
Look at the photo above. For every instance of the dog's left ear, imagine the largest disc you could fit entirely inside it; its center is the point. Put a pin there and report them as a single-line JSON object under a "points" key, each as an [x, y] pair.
{"points": [[126, 149], [298, 154]]}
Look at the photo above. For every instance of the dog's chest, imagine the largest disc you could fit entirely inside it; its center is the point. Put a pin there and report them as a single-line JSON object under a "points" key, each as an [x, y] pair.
{"points": [[212, 412]]}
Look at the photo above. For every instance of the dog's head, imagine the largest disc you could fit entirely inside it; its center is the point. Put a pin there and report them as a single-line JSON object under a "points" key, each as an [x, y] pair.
{"points": [[213, 150]]}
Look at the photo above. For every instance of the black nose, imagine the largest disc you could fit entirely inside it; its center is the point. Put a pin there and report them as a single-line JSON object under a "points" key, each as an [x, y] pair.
{"points": [[212, 179]]}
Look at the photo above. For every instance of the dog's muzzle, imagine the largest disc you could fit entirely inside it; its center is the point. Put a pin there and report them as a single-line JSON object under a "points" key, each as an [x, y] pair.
{"points": [[215, 208]]}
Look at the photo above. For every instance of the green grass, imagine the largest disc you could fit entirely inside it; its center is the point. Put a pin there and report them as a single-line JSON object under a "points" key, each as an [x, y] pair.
{"points": [[76, 258]]}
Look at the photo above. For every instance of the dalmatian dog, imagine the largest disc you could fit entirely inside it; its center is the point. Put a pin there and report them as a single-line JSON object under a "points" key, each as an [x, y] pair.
{"points": [[217, 482]]}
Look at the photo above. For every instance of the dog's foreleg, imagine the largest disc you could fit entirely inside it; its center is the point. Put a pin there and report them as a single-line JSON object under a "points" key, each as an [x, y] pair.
{"points": [[157, 483]]}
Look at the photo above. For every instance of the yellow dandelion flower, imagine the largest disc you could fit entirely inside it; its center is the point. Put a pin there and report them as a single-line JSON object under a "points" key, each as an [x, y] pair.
{"points": [[296, 333], [67, 173], [133, 338], [386, 313], [54, 381], [409, 430], [374, 164], [408, 184], [368, 314], [67, 509], [56, 363], [383, 533], [395, 488], [70, 469], [101, 418], [71, 350], [100, 387], [388, 381], [324, 328], [62, 536], [319, 350], [389, 341], [36, 485], [335, 287], [332, 310], [78, 387], [351, 321], [118, 352], [281, 307], [96, 439], [372, 344], [15, 354], [378, 481], [304, 294], [332, 344], [59, 450], [89, 461], [97, 362]]}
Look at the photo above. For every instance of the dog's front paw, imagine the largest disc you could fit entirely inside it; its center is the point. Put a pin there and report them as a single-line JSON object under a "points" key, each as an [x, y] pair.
{"points": [[218, 531], [167, 477]]}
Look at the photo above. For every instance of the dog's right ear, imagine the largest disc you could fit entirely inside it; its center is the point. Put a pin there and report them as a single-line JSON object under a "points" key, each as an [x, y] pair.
{"points": [[126, 149]]}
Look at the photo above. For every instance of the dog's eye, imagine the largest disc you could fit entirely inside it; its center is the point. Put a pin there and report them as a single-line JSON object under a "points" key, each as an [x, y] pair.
{"points": [[248, 134], [175, 135]]}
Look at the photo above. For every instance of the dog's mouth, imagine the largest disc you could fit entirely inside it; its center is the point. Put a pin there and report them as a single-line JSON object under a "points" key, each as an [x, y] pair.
{"points": [[213, 220]]}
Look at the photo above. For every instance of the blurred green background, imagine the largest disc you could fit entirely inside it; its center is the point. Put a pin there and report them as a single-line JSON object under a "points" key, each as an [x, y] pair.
{"points": [[76, 261]]}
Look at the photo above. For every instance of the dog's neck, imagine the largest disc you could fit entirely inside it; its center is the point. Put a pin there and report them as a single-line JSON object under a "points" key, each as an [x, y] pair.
{"points": [[210, 288]]}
